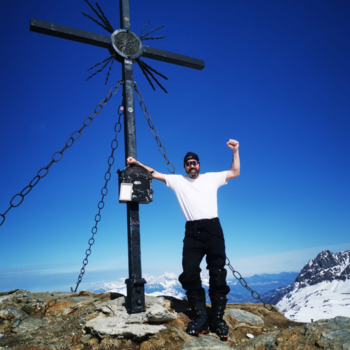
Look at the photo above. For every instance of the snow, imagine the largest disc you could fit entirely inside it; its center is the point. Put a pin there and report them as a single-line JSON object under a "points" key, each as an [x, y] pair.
{"points": [[115, 287], [170, 275], [321, 301], [166, 284]]}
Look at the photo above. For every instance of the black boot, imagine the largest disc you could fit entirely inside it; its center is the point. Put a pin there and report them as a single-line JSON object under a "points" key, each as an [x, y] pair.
{"points": [[218, 306], [199, 323]]}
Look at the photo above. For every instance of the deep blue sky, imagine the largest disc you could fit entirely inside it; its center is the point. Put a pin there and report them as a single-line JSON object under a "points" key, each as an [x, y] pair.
{"points": [[276, 79]]}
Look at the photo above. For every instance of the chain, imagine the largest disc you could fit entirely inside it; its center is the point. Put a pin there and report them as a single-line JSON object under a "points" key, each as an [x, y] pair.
{"points": [[104, 192], [57, 156], [154, 131], [244, 284]]}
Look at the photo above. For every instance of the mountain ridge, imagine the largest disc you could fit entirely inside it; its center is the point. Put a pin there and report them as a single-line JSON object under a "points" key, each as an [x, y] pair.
{"points": [[320, 291], [168, 284]]}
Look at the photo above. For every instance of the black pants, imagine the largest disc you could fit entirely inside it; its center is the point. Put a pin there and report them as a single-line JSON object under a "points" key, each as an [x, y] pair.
{"points": [[204, 237]]}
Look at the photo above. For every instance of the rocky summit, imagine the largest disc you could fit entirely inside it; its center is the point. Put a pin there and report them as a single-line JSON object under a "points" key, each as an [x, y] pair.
{"points": [[88, 321]]}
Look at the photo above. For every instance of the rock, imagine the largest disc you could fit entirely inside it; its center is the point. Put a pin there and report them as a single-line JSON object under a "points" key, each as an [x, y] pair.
{"points": [[34, 307], [111, 306], [136, 318], [206, 343], [8, 293], [65, 305], [159, 314], [10, 312], [265, 341], [11, 294], [100, 321], [325, 334], [64, 294], [149, 301], [27, 324], [333, 332], [114, 308], [244, 316], [72, 308], [3, 298], [122, 324], [116, 327]]}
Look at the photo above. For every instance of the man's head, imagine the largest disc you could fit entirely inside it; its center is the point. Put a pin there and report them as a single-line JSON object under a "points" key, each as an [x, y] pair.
{"points": [[191, 164]]}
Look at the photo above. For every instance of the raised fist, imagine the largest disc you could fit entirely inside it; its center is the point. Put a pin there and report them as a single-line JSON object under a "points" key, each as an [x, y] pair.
{"points": [[233, 144]]}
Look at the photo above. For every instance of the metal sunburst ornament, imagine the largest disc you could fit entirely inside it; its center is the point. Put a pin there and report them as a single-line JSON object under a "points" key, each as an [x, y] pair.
{"points": [[126, 45]]}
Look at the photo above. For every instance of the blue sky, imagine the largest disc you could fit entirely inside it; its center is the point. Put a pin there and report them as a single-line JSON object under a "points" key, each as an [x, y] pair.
{"points": [[276, 79]]}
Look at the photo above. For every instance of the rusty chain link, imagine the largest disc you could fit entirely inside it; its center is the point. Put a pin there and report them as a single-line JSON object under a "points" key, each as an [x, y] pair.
{"points": [[104, 192], [244, 284], [154, 131], [57, 156]]}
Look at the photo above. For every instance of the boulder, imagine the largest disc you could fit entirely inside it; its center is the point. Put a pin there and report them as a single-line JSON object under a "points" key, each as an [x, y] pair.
{"points": [[115, 321], [244, 316], [116, 326]]}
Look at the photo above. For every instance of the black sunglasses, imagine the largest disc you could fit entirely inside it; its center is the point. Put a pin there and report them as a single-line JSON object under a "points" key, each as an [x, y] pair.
{"points": [[191, 162]]}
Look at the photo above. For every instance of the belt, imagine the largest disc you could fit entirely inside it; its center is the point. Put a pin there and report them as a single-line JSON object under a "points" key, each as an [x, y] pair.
{"points": [[202, 221], [196, 225]]}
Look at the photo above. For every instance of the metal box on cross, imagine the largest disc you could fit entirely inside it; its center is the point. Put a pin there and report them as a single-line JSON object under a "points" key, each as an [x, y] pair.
{"points": [[135, 185]]}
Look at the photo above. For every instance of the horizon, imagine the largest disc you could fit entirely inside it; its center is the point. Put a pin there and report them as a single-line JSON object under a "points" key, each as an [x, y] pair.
{"points": [[99, 277], [276, 79]]}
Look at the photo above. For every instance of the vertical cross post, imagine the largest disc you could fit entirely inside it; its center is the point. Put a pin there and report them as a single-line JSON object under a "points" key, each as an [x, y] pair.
{"points": [[135, 300]]}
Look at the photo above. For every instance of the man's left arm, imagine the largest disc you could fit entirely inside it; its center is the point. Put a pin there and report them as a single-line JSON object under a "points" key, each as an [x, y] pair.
{"points": [[236, 164]]}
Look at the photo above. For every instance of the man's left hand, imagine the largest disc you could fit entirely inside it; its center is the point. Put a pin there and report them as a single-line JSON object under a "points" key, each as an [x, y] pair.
{"points": [[233, 144]]}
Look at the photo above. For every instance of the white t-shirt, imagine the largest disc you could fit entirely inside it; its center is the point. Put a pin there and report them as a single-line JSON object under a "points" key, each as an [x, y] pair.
{"points": [[197, 197]]}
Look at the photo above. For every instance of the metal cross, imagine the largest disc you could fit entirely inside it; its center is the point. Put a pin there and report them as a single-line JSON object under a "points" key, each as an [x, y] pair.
{"points": [[127, 47]]}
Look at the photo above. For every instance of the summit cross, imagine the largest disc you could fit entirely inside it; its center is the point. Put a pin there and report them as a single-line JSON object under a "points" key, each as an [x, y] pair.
{"points": [[127, 48]]}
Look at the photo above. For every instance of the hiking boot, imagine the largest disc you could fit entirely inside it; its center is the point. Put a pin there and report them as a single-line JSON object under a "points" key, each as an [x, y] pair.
{"points": [[218, 306], [199, 323]]}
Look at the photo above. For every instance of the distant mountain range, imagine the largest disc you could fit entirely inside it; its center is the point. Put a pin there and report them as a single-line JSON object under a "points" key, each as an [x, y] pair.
{"points": [[168, 284], [320, 290]]}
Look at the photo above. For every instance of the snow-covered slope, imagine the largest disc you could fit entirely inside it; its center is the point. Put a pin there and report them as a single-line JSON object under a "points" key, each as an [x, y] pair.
{"points": [[319, 301], [321, 290]]}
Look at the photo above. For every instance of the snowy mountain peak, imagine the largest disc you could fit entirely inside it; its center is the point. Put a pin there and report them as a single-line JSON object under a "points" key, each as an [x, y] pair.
{"points": [[326, 266], [321, 290]]}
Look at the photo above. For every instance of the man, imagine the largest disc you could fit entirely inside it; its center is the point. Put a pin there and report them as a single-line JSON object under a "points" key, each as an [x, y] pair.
{"points": [[197, 196]]}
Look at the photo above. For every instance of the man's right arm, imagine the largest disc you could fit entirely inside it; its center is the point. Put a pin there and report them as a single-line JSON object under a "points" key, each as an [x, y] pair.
{"points": [[155, 174]]}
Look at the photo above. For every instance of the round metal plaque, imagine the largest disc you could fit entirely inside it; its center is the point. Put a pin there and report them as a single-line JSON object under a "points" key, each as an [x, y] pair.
{"points": [[126, 44]]}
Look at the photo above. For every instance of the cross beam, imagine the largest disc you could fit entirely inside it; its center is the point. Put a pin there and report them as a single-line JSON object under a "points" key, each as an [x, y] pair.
{"points": [[82, 36], [135, 301]]}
